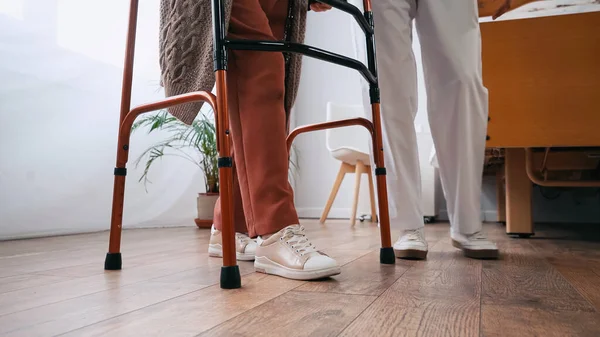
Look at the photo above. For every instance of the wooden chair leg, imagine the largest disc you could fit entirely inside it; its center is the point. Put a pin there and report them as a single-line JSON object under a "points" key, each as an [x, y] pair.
{"points": [[344, 168], [518, 194], [359, 169], [372, 194]]}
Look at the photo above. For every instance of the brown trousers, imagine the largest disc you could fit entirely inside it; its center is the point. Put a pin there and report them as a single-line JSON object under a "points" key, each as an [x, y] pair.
{"points": [[263, 200]]}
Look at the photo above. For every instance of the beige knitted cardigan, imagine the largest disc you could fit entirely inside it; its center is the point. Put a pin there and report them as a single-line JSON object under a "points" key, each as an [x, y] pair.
{"points": [[186, 51]]}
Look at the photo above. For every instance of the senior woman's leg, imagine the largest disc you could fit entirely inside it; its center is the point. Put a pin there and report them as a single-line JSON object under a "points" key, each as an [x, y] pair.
{"points": [[256, 91]]}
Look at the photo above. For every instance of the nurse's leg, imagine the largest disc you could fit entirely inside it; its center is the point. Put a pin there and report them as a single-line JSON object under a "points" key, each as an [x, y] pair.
{"points": [[458, 109], [398, 83]]}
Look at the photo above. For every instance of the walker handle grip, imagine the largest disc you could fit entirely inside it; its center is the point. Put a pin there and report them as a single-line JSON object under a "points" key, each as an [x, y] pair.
{"points": [[344, 6]]}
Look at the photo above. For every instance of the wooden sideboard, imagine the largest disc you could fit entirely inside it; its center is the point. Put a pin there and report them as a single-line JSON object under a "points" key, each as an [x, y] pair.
{"points": [[543, 76]]}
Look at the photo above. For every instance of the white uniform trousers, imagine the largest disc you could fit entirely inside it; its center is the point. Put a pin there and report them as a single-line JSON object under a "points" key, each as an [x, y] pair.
{"points": [[449, 35]]}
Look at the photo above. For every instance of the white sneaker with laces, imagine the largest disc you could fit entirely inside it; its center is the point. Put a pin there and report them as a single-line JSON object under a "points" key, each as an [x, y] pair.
{"points": [[411, 245], [245, 247], [475, 245], [288, 253]]}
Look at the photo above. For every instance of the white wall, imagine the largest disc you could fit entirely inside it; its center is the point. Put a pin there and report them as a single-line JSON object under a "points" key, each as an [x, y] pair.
{"points": [[322, 82], [60, 82]]}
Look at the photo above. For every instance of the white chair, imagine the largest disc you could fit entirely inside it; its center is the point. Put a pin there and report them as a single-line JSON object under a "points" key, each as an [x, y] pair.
{"points": [[351, 146]]}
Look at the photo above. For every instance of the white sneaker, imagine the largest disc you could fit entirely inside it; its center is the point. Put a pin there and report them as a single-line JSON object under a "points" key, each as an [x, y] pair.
{"points": [[411, 245], [245, 247], [288, 253], [475, 246]]}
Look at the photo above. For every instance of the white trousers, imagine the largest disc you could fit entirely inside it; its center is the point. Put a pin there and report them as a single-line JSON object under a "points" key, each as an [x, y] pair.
{"points": [[457, 102]]}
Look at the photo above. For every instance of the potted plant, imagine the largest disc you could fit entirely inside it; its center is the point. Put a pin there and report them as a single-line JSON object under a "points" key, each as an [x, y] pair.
{"points": [[201, 138]]}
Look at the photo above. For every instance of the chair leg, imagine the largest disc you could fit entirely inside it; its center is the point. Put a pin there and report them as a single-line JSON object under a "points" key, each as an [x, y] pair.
{"points": [[344, 168], [371, 194], [359, 169]]}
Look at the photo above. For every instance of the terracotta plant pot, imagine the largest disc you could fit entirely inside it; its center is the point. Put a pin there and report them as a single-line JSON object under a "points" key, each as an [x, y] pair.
{"points": [[206, 206]]}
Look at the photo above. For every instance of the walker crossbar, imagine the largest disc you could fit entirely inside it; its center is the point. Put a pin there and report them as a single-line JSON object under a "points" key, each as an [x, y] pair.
{"points": [[230, 274], [299, 48]]}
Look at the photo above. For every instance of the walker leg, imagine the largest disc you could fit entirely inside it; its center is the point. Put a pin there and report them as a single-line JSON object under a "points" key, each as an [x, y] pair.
{"points": [[386, 255], [113, 259], [230, 272]]}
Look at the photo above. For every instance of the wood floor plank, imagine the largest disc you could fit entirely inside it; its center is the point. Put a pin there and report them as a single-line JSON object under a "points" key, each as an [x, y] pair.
{"points": [[364, 276], [568, 232], [207, 274], [131, 237], [585, 280], [12, 283], [575, 252], [546, 286], [579, 253], [523, 278], [508, 321], [66, 256], [340, 235], [194, 313], [438, 299], [343, 237], [24, 299], [10, 248], [65, 316], [449, 276], [130, 260], [345, 256], [26, 264], [550, 248], [431, 318], [296, 314]]}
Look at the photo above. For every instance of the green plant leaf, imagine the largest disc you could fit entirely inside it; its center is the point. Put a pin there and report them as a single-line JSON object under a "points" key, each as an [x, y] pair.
{"points": [[200, 136]]}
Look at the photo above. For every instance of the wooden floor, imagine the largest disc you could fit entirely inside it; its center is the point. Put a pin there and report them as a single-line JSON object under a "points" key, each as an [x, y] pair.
{"points": [[546, 286]]}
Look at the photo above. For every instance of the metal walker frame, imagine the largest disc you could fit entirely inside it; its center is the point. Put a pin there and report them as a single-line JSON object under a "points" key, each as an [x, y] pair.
{"points": [[230, 274]]}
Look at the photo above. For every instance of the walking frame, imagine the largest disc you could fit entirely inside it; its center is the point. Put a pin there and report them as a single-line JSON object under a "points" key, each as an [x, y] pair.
{"points": [[230, 274]]}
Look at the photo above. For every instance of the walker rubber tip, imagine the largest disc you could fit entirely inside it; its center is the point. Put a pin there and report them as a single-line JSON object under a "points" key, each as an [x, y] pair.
{"points": [[230, 277], [113, 261], [387, 256]]}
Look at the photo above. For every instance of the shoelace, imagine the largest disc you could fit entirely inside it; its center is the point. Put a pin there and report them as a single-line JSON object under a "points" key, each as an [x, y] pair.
{"points": [[414, 235], [477, 237], [243, 238], [295, 237]]}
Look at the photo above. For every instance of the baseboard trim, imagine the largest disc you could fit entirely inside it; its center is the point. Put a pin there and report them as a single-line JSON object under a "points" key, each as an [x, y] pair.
{"points": [[74, 231]]}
